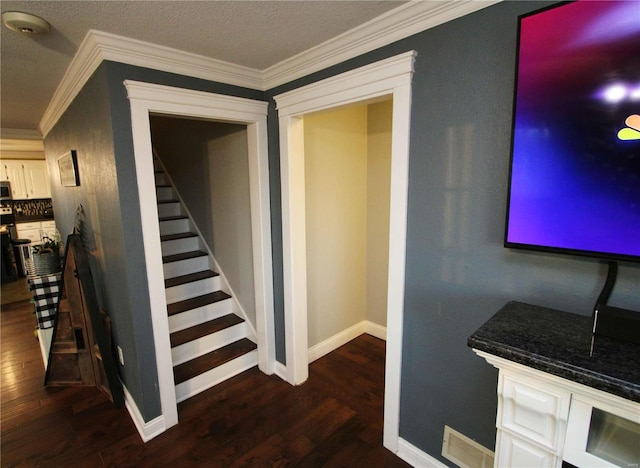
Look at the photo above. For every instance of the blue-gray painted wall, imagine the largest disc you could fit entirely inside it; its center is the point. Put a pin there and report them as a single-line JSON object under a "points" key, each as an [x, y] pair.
{"points": [[457, 275], [98, 126]]}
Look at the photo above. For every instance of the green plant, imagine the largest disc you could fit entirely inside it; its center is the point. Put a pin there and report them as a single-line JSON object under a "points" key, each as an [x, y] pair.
{"points": [[48, 245]]}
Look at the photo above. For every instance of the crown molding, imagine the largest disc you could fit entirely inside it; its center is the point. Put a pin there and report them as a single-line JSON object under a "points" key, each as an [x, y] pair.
{"points": [[399, 23], [145, 54], [404, 21], [10, 144], [19, 134], [98, 46], [21, 144], [82, 66]]}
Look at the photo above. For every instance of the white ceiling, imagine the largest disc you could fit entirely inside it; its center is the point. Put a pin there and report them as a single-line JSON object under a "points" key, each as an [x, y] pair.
{"points": [[255, 34]]}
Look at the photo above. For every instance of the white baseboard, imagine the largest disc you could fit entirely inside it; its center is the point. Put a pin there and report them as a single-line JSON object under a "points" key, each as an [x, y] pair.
{"points": [[280, 370], [330, 344], [416, 457], [147, 430], [339, 339], [334, 342], [376, 330]]}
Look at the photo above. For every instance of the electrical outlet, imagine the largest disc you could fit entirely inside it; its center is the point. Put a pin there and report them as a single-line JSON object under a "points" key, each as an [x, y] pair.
{"points": [[120, 356]]}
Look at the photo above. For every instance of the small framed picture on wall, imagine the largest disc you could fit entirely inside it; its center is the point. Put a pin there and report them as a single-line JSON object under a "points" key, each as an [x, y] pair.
{"points": [[68, 166]]}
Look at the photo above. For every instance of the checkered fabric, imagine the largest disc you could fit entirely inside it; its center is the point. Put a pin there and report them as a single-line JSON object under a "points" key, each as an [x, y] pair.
{"points": [[45, 290]]}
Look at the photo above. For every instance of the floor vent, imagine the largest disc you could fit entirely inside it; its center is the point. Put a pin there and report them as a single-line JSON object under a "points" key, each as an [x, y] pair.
{"points": [[465, 452]]}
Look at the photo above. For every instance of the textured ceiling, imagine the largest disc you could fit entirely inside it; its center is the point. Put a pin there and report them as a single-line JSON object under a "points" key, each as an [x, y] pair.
{"points": [[256, 34]]}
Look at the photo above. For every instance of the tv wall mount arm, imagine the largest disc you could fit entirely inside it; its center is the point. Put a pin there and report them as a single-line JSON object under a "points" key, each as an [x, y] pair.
{"points": [[622, 324]]}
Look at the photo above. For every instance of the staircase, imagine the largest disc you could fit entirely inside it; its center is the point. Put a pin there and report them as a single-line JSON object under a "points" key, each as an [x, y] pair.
{"points": [[210, 342]]}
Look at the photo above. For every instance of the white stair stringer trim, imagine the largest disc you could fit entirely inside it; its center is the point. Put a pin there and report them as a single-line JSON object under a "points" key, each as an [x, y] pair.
{"points": [[206, 344], [238, 309], [216, 375], [192, 317]]}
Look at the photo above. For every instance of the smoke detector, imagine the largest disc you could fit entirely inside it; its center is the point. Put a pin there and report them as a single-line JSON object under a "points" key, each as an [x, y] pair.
{"points": [[25, 23]]}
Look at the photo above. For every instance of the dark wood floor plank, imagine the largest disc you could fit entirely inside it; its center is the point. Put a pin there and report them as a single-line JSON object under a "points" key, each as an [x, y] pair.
{"points": [[334, 419]]}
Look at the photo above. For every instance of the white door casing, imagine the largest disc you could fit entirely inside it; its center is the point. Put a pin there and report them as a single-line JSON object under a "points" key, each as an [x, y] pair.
{"points": [[389, 77], [146, 98]]}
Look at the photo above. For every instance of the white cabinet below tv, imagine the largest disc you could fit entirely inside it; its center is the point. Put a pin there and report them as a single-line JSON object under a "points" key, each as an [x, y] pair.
{"points": [[565, 396], [544, 420]]}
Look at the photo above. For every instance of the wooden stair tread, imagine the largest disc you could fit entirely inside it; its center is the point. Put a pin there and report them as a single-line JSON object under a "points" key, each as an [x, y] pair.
{"points": [[173, 218], [183, 256], [172, 200], [190, 278], [195, 302], [201, 364], [207, 328], [181, 235]]}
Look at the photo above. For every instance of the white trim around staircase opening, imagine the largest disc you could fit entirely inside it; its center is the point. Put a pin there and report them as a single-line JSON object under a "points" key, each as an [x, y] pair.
{"points": [[146, 98], [389, 77]]}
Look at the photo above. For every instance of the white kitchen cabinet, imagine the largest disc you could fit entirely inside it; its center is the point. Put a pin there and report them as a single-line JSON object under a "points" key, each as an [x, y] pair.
{"points": [[29, 178], [35, 230], [48, 229], [36, 179], [14, 173]]}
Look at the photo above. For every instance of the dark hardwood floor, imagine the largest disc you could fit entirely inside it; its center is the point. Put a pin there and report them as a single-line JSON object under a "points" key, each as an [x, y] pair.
{"points": [[334, 419]]}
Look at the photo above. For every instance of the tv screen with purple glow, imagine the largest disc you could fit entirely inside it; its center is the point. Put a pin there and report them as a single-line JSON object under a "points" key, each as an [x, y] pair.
{"points": [[575, 162]]}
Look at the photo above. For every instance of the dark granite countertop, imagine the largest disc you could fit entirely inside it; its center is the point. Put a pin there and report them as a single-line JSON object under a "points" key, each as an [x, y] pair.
{"points": [[33, 219], [559, 343]]}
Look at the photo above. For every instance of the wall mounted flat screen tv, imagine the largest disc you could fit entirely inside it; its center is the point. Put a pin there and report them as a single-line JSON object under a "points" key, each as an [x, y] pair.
{"points": [[575, 162]]}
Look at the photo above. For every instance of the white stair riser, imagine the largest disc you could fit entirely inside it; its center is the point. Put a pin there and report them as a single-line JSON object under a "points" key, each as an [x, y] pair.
{"points": [[161, 178], [188, 244], [164, 193], [185, 267], [193, 289], [206, 344], [174, 226], [213, 377], [169, 209], [200, 315]]}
